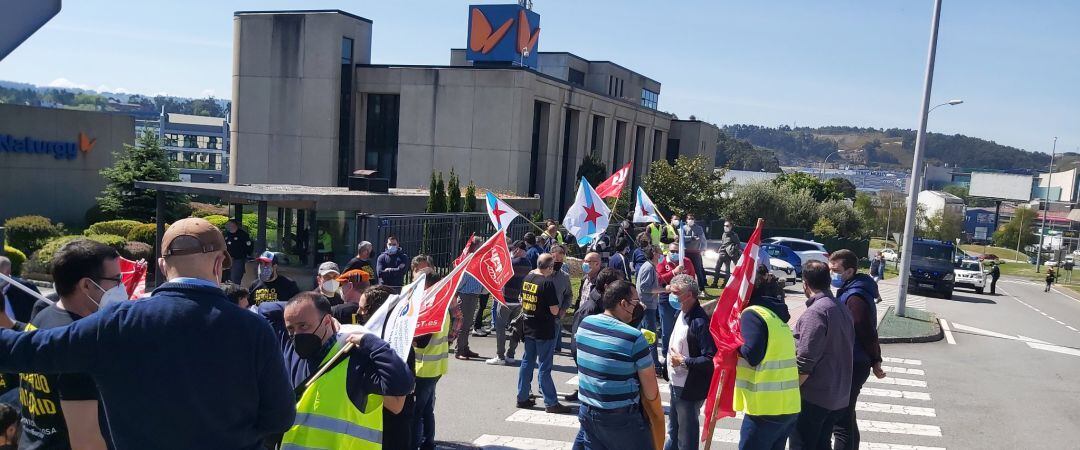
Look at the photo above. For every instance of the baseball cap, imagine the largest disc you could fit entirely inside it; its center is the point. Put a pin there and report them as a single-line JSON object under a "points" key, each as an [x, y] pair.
{"points": [[270, 257], [352, 274], [193, 236], [327, 267]]}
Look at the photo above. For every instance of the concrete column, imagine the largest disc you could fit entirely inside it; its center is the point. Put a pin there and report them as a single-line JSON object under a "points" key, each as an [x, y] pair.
{"points": [[260, 240], [238, 212]]}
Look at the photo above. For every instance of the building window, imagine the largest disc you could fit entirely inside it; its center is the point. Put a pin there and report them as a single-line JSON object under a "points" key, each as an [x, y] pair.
{"points": [[346, 50], [597, 144], [649, 99], [576, 77], [382, 135], [611, 85], [620, 141], [672, 150]]}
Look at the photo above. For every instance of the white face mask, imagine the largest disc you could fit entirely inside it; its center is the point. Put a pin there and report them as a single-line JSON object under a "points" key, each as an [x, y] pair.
{"points": [[330, 286], [115, 295], [689, 222]]}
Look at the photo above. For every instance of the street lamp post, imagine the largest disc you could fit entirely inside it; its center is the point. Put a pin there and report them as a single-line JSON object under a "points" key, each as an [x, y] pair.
{"points": [[1046, 207], [916, 165], [823, 163]]}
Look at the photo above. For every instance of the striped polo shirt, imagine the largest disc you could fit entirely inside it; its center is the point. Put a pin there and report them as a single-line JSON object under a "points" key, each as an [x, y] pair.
{"points": [[609, 354]]}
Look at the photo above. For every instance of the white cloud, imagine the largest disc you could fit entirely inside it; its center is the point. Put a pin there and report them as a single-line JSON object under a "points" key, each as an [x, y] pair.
{"points": [[66, 83], [107, 88], [206, 93]]}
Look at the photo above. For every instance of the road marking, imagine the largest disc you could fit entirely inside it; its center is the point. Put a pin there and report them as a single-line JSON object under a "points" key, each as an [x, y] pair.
{"points": [[910, 362], [1070, 327], [879, 426], [1054, 348], [960, 327], [898, 381], [491, 441], [1027, 339], [948, 332], [878, 446], [895, 409], [571, 421], [903, 370], [892, 393]]}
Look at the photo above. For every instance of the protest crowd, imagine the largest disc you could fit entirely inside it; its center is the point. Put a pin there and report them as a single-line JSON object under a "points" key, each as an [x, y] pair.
{"points": [[356, 362]]}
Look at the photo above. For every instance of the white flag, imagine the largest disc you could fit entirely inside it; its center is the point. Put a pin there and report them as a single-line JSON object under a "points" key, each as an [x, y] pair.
{"points": [[499, 212], [644, 209], [588, 217], [395, 321]]}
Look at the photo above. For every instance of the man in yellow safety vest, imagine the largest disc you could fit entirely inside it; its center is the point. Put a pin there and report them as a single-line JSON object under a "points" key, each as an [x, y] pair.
{"points": [[343, 407], [767, 378]]}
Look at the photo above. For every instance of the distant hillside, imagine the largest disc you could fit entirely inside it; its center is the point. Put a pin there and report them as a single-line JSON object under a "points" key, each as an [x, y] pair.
{"points": [[73, 98], [891, 147]]}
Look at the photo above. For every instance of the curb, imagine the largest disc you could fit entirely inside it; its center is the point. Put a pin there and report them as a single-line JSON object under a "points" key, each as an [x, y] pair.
{"points": [[935, 335]]}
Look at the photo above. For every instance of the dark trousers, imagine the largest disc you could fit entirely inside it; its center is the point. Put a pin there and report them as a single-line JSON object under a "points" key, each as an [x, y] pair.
{"points": [[993, 285], [699, 269], [766, 432], [603, 430], [846, 430], [726, 262], [478, 324], [813, 429], [398, 428], [424, 416]]}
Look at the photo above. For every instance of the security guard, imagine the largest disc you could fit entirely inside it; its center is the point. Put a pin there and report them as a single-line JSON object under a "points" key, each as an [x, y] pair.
{"points": [[432, 362], [371, 375], [767, 379]]}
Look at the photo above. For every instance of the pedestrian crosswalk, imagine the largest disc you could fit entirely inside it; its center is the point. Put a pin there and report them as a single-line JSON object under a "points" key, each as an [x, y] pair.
{"points": [[894, 413]]}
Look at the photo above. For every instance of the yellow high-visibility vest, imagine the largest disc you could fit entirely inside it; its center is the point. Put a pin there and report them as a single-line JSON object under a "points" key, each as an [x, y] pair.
{"points": [[434, 360], [772, 387], [327, 418]]}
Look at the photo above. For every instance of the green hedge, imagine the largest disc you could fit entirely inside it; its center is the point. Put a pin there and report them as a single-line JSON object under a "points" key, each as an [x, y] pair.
{"points": [[17, 258], [111, 240], [115, 227], [217, 220], [207, 209], [144, 232], [40, 261], [137, 250], [29, 233]]}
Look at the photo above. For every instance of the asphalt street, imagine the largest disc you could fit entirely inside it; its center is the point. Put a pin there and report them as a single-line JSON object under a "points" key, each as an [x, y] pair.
{"points": [[1011, 380]]}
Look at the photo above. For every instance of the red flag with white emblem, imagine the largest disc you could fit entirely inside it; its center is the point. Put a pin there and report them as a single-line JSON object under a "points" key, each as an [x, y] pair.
{"points": [[437, 301], [612, 187], [490, 265], [726, 332]]}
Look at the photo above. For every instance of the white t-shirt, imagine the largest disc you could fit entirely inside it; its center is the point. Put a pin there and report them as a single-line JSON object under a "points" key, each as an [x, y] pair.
{"points": [[678, 344]]}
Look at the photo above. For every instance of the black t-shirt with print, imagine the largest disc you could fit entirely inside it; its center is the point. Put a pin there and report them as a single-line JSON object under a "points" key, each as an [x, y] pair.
{"points": [[43, 425], [281, 289], [537, 297], [347, 313]]}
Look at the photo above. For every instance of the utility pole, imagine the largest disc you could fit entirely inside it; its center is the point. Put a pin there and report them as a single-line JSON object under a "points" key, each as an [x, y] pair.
{"points": [[917, 165], [1046, 207]]}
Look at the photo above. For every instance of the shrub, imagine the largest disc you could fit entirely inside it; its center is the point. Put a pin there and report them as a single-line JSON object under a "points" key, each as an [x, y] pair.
{"points": [[207, 209], [137, 250], [824, 229], [114, 227], [111, 240], [40, 261], [217, 220], [29, 233], [250, 223], [144, 232], [17, 258]]}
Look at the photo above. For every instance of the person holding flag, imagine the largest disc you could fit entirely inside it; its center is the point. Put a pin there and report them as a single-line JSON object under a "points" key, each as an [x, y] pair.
{"points": [[689, 364], [588, 216], [670, 266]]}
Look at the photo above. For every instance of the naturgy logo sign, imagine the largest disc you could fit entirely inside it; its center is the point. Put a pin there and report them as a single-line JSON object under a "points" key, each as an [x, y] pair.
{"points": [[59, 150], [489, 26]]}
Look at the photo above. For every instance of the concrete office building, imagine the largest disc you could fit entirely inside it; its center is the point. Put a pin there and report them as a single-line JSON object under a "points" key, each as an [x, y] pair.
{"points": [[309, 108], [197, 146], [50, 159]]}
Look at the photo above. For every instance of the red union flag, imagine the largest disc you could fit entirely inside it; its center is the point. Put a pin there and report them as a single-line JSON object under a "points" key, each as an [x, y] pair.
{"points": [[612, 187], [436, 302], [464, 251], [725, 330], [490, 265], [133, 277]]}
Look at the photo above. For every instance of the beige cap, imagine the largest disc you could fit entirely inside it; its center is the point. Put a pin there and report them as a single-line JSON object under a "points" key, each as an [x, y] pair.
{"points": [[193, 236]]}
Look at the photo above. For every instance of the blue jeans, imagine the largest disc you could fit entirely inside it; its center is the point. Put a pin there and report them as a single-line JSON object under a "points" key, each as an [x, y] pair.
{"points": [[813, 428], [542, 351], [667, 321], [683, 427], [612, 431], [649, 323], [766, 432], [424, 416]]}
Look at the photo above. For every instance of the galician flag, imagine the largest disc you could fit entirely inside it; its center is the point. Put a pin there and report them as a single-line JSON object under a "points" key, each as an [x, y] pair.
{"points": [[500, 213], [588, 216], [644, 209]]}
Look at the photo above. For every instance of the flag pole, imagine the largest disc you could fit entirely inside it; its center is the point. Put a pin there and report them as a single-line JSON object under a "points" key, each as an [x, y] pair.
{"points": [[712, 417]]}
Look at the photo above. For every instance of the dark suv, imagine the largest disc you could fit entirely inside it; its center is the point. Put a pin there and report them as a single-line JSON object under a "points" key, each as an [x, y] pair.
{"points": [[932, 265]]}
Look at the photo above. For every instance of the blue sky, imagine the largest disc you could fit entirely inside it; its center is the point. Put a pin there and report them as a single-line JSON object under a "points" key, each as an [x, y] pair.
{"points": [[825, 62]]}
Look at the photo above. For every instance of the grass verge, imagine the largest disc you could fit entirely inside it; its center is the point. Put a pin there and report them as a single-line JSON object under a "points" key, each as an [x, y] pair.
{"points": [[917, 326]]}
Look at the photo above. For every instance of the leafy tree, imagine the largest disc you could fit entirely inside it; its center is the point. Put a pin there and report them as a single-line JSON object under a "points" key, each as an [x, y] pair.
{"points": [[779, 207], [800, 181], [691, 185], [623, 209], [864, 207], [453, 193], [824, 229], [436, 194], [470, 198], [144, 161], [842, 217], [1017, 228], [842, 186], [592, 168], [738, 154]]}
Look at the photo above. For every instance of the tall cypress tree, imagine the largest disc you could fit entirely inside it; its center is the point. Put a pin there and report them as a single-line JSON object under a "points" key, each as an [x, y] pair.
{"points": [[453, 193], [470, 198], [145, 161], [439, 203]]}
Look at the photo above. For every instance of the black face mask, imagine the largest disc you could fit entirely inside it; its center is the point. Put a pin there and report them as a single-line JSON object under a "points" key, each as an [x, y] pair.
{"points": [[558, 266], [307, 345], [639, 315]]}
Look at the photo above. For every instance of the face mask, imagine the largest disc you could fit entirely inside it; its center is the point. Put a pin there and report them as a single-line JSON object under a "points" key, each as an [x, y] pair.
{"points": [[307, 345], [330, 285], [558, 266], [837, 279], [585, 267], [265, 272], [690, 222], [114, 295], [674, 301], [391, 249], [639, 314], [673, 257], [675, 223]]}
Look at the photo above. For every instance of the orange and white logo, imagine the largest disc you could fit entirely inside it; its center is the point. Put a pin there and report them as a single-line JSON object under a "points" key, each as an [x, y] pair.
{"points": [[526, 38], [481, 37], [85, 143]]}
